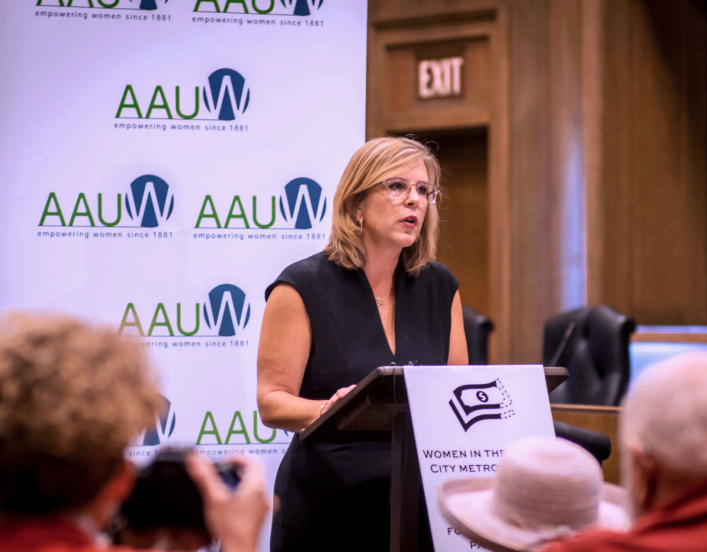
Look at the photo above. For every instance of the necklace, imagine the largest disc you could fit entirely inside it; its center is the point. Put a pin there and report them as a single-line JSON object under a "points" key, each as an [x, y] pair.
{"points": [[379, 300]]}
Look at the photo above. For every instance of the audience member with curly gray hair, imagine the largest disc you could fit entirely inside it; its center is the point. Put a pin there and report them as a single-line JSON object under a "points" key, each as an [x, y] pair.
{"points": [[72, 397]]}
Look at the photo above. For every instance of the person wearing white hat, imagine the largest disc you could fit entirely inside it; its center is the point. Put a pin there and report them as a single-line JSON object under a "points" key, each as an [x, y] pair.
{"points": [[545, 488], [663, 441]]}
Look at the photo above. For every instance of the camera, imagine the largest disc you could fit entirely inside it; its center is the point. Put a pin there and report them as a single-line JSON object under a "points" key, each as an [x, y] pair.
{"points": [[165, 495]]}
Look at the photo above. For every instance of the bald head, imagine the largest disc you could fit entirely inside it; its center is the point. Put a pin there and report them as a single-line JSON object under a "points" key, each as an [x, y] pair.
{"points": [[665, 416]]}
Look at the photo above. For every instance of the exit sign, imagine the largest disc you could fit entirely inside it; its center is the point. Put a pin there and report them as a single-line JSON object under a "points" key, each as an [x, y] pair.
{"points": [[440, 78]]}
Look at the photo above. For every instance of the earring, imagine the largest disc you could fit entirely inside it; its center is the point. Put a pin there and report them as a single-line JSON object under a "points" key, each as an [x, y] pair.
{"points": [[359, 229]]}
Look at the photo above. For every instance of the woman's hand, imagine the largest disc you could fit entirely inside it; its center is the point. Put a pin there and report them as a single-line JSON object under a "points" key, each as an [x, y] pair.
{"points": [[235, 517], [336, 397]]}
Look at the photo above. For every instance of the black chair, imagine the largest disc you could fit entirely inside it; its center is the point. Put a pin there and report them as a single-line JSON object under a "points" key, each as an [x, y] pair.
{"points": [[592, 343], [595, 442], [477, 328]]}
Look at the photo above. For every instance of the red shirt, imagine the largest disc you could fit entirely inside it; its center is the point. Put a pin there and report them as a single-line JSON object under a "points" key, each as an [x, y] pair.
{"points": [[49, 535], [679, 526]]}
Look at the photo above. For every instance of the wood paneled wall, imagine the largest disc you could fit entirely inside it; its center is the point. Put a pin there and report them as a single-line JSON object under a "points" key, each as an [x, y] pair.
{"points": [[596, 117], [544, 168], [648, 204]]}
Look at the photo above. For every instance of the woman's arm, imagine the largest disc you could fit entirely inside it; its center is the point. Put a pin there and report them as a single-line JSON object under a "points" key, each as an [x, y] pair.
{"points": [[458, 353], [285, 342]]}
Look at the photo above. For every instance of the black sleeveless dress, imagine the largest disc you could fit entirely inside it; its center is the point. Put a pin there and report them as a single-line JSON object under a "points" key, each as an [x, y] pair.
{"points": [[336, 497]]}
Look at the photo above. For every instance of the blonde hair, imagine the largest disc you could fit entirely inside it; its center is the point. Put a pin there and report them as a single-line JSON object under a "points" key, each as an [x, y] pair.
{"points": [[375, 161], [72, 397]]}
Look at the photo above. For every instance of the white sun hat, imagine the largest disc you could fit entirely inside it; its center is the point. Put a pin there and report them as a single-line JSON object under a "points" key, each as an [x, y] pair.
{"points": [[544, 489]]}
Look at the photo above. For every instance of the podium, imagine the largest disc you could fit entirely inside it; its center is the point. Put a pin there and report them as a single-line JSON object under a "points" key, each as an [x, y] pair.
{"points": [[377, 410]]}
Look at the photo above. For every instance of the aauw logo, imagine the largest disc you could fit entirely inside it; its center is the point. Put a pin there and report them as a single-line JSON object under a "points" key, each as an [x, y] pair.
{"points": [[106, 4], [225, 311], [303, 7], [225, 96], [302, 204], [149, 202], [261, 7], [163, 427]]}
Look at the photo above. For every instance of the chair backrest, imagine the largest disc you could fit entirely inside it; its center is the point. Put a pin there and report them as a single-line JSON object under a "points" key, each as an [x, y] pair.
{"points": [[477, 328], [592, 343]]}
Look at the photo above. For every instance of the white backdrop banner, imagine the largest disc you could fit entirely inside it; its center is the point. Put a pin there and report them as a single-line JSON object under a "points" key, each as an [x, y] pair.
{"points": [[464, 417], [161, 161]]}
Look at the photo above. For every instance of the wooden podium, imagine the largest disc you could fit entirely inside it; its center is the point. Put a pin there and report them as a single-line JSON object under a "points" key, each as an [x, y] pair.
{"points": [[377, 410]]}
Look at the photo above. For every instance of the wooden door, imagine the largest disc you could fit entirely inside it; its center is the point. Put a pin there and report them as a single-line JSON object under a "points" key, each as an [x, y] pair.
{"points": [[464, 211]]}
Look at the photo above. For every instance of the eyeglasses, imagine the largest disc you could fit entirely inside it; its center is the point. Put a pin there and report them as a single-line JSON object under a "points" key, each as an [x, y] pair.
{"points": [[397, 188]]}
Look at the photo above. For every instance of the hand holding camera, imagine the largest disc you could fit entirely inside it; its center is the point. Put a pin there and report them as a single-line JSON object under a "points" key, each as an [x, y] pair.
{"points": [[182, 501], [234, 517]]}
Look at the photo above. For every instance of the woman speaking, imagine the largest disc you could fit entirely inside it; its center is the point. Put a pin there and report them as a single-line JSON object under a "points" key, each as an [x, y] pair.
{"points": [[373, 297]]}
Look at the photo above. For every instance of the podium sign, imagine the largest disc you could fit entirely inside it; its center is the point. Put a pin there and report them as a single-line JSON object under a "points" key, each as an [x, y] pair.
{"points": [[463, 418]]}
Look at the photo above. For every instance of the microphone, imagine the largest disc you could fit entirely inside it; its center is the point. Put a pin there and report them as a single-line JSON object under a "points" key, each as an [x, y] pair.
{"points": [[563, 343]]}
